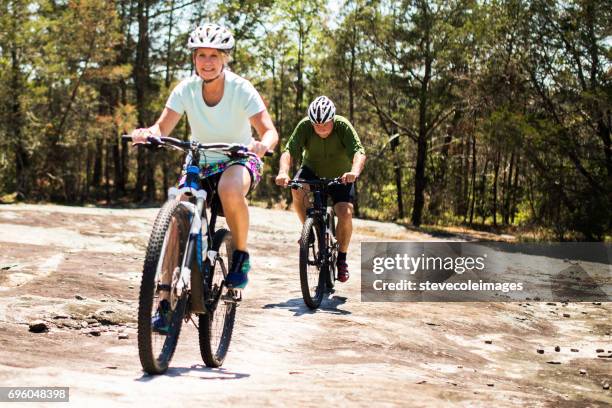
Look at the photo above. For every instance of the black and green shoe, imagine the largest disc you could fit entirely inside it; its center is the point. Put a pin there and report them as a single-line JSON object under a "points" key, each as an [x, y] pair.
{"points": [[160, 322], [238, 278]]}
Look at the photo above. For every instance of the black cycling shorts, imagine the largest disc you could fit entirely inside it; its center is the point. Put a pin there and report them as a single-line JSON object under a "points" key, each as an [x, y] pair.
{"points": [[344, 193]]}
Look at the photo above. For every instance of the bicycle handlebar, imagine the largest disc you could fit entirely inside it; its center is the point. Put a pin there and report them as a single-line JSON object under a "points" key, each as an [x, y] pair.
{"points": [[231, 148], [298, 183]]}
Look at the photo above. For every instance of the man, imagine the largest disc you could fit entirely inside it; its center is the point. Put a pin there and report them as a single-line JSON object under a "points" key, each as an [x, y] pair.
{"points": [[328, 147]]}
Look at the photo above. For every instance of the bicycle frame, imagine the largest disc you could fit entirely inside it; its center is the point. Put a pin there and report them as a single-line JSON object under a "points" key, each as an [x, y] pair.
{"points": [[319, 209], [200, 239], [194, 269]]}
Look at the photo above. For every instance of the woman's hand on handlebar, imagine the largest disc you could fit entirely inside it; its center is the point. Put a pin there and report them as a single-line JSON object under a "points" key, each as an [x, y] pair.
{"points": [[140, 136], [258, 148]]}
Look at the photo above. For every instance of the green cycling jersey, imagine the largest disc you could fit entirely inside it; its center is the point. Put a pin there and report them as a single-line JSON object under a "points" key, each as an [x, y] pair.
{"points": [[328, 157]]}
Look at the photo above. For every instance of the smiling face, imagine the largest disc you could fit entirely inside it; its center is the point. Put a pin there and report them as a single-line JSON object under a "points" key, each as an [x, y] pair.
{"points": [[323, 129], [209, 62]]}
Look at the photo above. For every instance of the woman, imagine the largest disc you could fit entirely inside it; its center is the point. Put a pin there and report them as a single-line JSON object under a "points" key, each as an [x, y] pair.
{"points": [[221, 107]]}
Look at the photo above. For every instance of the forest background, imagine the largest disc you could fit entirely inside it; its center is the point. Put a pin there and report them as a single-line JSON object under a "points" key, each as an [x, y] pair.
{"points": [[490, 114]]}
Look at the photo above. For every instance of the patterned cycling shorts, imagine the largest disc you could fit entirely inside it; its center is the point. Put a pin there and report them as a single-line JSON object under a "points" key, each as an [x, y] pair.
{"points": [[253, 164]]}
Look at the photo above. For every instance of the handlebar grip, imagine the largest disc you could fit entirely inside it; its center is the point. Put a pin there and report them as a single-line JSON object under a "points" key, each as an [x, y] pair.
{"points": [[152, 142]]}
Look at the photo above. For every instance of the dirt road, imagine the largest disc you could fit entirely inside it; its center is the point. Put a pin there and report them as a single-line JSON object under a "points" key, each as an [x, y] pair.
{"points": [[78, 270]]}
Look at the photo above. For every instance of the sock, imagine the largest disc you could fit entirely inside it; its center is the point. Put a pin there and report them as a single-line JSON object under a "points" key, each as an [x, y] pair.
{"points": [[240, 256], [341, 256], [240, 253]]}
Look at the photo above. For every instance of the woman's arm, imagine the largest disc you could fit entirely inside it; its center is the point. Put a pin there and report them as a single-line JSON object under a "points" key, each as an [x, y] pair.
{"points": [[163, 127], [283, 172], [262, 122]]}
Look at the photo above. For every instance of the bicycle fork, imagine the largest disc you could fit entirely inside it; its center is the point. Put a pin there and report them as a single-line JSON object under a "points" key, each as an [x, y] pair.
{"points": [[197, 242]]}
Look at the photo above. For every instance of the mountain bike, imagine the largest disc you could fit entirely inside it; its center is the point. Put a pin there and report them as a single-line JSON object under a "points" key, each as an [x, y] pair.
{"points": [[318, 246], [186, 264]]}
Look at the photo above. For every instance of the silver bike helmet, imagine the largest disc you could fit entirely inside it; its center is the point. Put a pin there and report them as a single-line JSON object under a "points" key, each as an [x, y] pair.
{"points": [[211, 36], [321, 110]]}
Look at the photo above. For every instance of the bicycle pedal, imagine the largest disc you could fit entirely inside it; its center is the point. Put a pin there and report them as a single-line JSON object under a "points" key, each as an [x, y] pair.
{"points": [[232, 296]]}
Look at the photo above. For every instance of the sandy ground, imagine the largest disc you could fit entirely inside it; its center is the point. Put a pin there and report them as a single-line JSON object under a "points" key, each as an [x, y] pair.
{"points": [[78, 270]]}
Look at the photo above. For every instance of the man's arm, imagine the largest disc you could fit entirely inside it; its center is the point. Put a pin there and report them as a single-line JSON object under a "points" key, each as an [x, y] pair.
{"points": [[358, 164], [355, 148]]}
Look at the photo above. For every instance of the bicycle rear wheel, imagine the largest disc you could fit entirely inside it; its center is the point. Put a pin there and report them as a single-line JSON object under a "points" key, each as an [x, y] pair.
{"points": [[216, 326], [161, 271], [312, 265]]}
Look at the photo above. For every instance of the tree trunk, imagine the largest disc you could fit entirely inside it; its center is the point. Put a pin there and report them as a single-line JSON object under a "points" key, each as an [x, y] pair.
{"points": [[299, 85], [98, 157], [483, 189], [141, 73], [107, 164], [465, 181], [16, 122], [85, 193], [514, 190], [351, 78], [420, 181], [397, 167], [508, 190], [473, 198], [496, 174], [118, 175], [438, 188], [168, 77], [123, 57], [351, 86], [167, 81]]}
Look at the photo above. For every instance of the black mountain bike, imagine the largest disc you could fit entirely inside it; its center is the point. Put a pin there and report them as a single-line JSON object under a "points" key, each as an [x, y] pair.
{"points": [[318, 246], [186, 264]]}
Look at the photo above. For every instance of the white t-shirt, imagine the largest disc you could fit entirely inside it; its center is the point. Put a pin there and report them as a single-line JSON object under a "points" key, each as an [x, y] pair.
{"points": [[227, 121]]}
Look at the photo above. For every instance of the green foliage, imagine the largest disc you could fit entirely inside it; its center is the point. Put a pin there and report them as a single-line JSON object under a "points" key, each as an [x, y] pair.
{"points": [[510, 100]]}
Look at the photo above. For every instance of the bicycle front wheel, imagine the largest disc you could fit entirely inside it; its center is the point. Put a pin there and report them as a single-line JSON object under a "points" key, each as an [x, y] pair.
{"points": [[332, 247], [312, 265], [217, 324], [160, 275]]}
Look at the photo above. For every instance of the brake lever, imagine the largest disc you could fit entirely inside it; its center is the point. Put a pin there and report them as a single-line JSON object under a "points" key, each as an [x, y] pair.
{"points": [[154, 142], [247, 153]]}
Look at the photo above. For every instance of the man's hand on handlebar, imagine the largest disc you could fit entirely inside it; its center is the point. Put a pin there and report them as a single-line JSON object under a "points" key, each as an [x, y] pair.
{"points": [[349, 177]]}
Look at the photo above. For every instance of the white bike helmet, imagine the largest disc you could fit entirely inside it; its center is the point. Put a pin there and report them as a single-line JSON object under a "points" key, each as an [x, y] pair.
{"points": [[321, 110], [211, 36]]}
